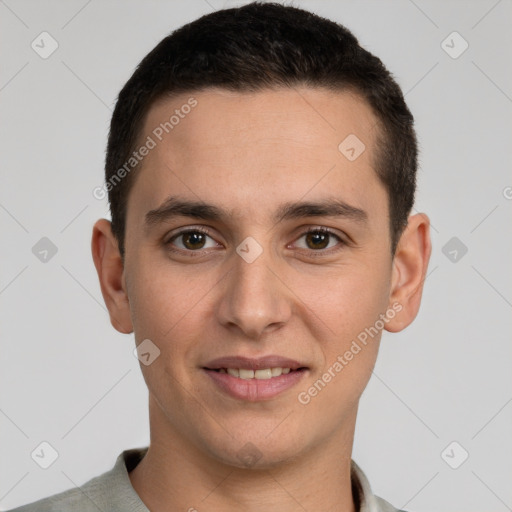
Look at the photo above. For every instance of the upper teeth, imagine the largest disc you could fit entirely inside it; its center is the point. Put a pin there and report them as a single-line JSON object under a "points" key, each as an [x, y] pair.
{"points": [[266, 373]]}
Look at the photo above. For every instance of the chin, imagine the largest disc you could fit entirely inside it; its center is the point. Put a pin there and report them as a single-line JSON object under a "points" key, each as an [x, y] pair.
{"points": [[256, 454]]}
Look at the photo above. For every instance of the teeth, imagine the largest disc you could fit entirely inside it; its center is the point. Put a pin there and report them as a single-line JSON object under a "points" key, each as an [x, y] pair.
{"points": [[246, 374], [264, 374]]}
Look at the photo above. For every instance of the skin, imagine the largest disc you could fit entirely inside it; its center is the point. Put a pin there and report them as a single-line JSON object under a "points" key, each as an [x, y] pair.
{"points": [[248, 153]]}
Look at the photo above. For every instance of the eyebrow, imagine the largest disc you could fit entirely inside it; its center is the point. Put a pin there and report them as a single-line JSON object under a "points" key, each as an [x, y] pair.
{"points": [[176, 207]]}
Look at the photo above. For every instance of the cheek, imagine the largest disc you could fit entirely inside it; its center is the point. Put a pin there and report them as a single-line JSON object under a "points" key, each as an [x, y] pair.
{"points": [[349, 345], [349, 308], [348, 300], [170, 308], [162, 297], [164, 307]]}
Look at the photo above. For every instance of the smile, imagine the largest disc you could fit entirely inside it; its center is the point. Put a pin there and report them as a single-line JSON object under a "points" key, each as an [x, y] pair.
{"points": [[263, 374], [254, 385]]}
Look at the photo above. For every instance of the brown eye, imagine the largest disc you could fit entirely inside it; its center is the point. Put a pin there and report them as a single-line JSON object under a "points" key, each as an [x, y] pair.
{"points": [[191, 240], [318, 239]]}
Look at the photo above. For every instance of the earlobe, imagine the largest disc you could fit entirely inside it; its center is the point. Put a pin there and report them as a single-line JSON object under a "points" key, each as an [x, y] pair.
{"points": [[410, 265], [110, 269]]}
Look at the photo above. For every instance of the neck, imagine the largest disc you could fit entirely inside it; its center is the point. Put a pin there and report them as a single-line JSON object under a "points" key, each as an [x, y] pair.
{"points": [[175, 475]]}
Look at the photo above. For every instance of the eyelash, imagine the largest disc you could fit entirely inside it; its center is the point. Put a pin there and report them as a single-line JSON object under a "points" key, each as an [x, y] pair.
{"points": [[313, 252]]}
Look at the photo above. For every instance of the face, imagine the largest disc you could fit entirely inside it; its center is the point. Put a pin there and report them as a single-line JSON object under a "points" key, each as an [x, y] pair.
{"points": [[254, 242]]}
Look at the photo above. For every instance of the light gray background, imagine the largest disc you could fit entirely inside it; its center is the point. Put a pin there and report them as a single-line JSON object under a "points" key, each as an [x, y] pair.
{"points": [[68, 378]]}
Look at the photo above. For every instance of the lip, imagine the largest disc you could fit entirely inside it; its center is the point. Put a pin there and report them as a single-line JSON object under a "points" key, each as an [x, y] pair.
{"points": [[257, 363], [254, 390]]}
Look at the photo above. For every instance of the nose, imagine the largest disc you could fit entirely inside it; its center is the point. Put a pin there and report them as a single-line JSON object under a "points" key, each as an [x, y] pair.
{"points": [[254, 299]]}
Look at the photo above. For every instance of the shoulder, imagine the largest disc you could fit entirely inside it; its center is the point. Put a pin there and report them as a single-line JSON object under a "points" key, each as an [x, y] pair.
{"points": [[384, 506], [86, 499], [110, 491], [366, 501]]}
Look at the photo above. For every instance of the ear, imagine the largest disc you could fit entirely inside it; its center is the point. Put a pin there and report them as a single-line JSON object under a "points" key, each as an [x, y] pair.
{"points": [[410, 265], [110, 268]]}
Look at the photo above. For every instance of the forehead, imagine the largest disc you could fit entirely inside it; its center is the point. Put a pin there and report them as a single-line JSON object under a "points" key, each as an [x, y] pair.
{"points": [[252, 150]]}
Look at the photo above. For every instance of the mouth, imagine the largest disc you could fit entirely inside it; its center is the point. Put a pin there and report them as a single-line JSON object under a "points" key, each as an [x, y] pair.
{"points": [[261, 374], [254, 379]]}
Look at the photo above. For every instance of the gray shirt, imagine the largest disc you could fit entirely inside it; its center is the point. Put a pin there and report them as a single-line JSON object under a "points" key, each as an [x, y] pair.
{"points": [[112, 492]]}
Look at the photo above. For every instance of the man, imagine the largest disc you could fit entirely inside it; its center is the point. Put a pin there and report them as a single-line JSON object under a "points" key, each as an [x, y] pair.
{"points": [[261, 172]]}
